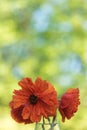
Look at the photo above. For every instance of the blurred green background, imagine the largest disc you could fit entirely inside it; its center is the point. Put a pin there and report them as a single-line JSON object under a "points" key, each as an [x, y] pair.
{"points": [[46, 38]]}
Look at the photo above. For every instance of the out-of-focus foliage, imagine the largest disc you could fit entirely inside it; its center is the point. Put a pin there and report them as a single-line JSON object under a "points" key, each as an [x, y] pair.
{"points": [[47, 39]]}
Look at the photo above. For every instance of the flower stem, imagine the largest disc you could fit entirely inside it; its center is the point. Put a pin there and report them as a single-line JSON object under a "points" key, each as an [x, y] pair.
{"points": [[43, 128], [36, 126]]}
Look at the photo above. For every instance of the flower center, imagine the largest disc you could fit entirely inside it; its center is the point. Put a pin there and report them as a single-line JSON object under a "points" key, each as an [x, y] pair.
{"points": [[33, 99]]}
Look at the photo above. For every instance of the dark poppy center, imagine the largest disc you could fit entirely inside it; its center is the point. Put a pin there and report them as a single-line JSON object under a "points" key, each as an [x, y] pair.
{"points": [[33, 99]]}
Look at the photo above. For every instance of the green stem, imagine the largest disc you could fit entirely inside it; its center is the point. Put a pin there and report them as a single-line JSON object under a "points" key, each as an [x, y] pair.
{"points": [[53, 123], [36, 126], [43, 128]]}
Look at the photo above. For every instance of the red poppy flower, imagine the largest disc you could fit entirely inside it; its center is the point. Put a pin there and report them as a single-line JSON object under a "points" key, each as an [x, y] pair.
{"points": [[33, 100], [69, 103]]}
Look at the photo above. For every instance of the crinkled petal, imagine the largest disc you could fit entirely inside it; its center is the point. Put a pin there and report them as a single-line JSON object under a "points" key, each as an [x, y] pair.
{"points": [[41, 85], [27, 84], [27, 110], [35, 117], [16, 115], [20, 97]]}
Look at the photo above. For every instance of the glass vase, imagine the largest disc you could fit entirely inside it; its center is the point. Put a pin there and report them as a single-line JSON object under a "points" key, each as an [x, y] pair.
{"points": [[47, 124]]}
